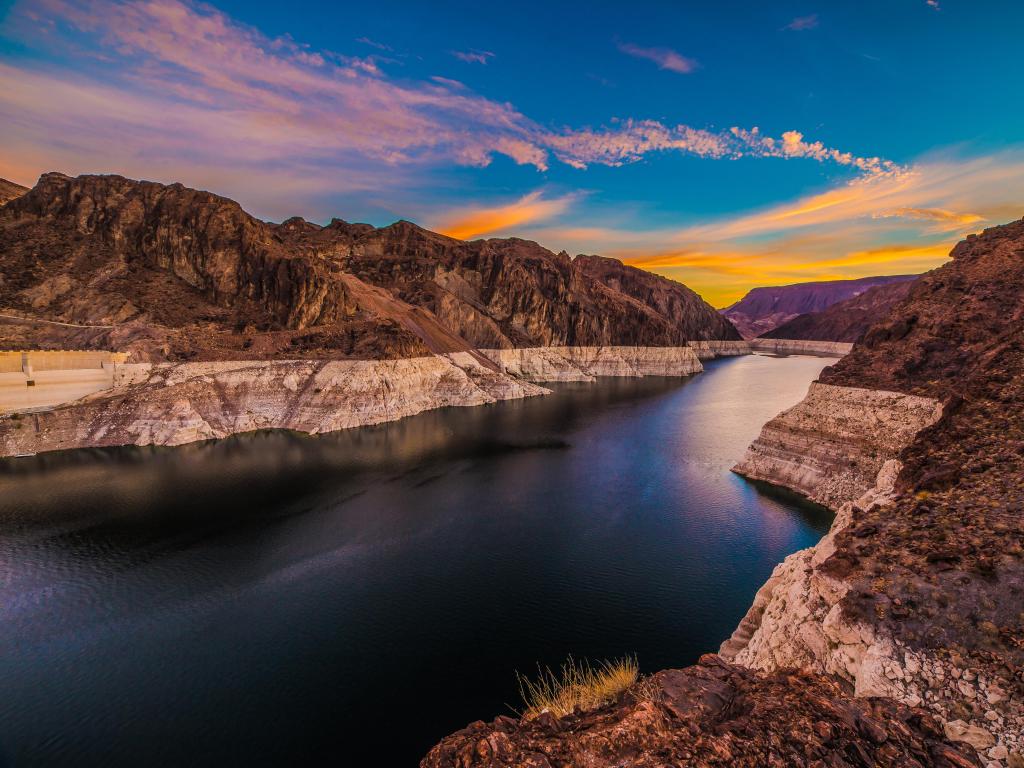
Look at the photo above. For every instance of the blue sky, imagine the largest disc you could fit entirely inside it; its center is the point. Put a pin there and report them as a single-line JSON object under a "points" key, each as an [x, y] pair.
{"points": [[885, 131]]}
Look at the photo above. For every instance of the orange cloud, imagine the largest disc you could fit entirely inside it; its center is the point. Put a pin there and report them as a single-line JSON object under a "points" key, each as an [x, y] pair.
{"points": [[465, 225]]}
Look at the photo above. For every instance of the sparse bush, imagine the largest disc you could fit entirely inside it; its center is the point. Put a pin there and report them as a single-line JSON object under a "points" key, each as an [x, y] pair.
{"points": [[579, 686]]}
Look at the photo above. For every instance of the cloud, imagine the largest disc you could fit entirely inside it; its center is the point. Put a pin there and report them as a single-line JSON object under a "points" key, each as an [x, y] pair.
{"points": [[802, 23], [534, 207], [942, 218], [374, 44], [903, 221], [933, 4], [665, 58], [474, 56], [166, 83]]}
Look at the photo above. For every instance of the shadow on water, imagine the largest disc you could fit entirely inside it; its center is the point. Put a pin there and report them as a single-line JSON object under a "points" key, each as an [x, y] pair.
{"points": [[283, 598]]}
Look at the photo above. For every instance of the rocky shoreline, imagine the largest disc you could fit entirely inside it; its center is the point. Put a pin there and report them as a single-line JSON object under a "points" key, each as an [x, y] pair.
{"points": [[176, 403], [915, 597]]}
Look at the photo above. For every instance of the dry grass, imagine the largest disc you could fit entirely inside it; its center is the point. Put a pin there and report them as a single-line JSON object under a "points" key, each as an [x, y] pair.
{"points": [[579, 686]]}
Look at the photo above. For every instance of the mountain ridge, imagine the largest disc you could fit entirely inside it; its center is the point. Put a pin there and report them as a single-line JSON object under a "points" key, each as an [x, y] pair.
{"points": [[186, 274], [765, 308]]}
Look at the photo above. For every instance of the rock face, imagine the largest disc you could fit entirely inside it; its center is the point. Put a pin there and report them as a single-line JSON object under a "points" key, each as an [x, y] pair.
{"points": [[832, 444], [175, 274], [709, 350], [916, 593], [846, 321], [9, 190], [914, 601], [175, 403], [587, 363], [764, 309], [713, 714], [800, 347]]}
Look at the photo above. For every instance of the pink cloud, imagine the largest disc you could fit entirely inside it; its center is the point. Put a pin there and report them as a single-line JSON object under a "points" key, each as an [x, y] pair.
{"points": [[473, 57], [665, 58], [803, 23], [193, 90]]}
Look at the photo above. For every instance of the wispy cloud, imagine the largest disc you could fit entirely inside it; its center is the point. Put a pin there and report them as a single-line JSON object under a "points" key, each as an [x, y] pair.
{"points": [[933, 4], [374, 44], [802, 23], [665, 58], [903, 221], [469, 223], [474, 56], [166, 84]]}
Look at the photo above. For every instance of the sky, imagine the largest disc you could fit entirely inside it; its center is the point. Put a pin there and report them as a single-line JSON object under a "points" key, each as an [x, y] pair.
{"points": [[723, 144]]}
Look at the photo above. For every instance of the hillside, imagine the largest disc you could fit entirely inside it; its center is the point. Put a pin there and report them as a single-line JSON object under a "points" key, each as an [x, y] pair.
{"points": [[764, 309], [172, 273], [9, 190], [846, 321]]}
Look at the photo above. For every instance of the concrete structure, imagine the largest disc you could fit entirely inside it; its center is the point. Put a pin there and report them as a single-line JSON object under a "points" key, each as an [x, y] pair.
{"points": [[33, 380]]}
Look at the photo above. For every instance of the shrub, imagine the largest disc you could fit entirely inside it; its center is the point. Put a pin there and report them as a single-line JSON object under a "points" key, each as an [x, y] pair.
{"points": [[579, 686]]}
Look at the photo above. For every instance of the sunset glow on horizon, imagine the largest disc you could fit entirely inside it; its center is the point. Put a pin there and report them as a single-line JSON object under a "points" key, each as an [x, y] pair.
{"points": [[726, 147]]}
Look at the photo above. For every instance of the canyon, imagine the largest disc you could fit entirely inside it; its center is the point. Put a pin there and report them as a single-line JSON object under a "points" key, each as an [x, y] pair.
{"points": [[233, 324], [846, 321], [914, 598], [894, 641], [762, 310]]}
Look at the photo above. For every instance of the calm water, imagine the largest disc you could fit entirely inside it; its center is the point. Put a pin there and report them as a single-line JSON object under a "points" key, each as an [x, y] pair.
{"points": [[277, 599]]}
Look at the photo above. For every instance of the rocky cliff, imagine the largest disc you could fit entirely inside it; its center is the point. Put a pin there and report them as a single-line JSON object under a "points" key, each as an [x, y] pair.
{"points": [[914, 601], [175, 403], [917, 592], [845, 321], [172, 273], [764, 309], [9, 190]]}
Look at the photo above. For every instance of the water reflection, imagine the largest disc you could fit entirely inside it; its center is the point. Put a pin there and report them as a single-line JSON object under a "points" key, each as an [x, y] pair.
{"points": [[265, 598]]}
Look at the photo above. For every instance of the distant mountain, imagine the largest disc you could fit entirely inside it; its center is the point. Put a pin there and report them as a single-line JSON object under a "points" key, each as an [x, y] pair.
{"points": [[173, 273], [9, 190], [847, 320], [764, 309]]}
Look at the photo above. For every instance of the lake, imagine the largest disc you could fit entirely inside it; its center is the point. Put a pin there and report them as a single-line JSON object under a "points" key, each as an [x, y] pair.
{"points": [[350, 599]]}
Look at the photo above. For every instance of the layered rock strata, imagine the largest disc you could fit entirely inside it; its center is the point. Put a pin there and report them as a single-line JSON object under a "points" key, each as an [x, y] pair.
{"points": [[832, 445], [175, 403], [801, 347], [709, 350], [587, 363]]}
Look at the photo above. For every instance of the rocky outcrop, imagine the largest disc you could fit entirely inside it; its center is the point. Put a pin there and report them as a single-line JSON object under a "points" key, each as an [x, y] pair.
{"points": [[846, 321], [9, 190], [714, 714], [800, 347], [764, 309], [171, 273], [709, 350], [916, 593], [175, 403], [832, 445], [587, 363], [914, 598]]}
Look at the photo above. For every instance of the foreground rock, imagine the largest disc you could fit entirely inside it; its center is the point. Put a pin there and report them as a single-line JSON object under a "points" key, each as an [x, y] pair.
{"points": [[714, 714]]}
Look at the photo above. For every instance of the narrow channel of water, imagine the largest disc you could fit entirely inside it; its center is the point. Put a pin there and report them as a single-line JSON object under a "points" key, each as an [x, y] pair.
{"points": [[278, 599]]}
